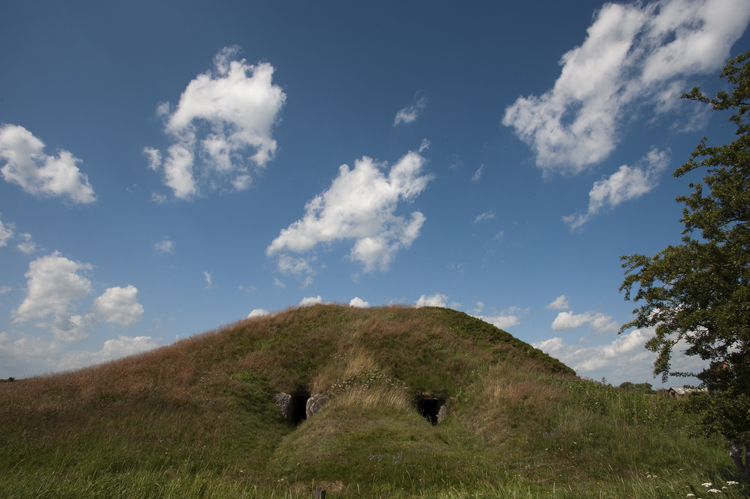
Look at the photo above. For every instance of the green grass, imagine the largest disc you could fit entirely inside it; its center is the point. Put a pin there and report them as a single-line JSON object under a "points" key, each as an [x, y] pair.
{"points": [[196, 419]]}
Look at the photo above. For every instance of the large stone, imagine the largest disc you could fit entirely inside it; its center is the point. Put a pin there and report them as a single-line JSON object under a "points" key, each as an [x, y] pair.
{"points": [[315, 403], [284, 403], [441, 414]]}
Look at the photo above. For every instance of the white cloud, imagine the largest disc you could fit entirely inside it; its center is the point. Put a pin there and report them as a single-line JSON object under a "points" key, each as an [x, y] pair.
{"points": [[599, 323], [6, 233], [209, 283], [311, 300], [620, 352], [478, 174], [158, 198], [478, 309], [5, 289], [296, 266], [53, 283], [568, 320], [560, 303], [501, 321], [359, 303], [436, 300], [360, 205], [39, 174], [625, 184], [258, 312], [278, 283], [505, 319], [27, 245], [623, 359], [487, 215], [119, 305], [154, 157], [24, 348], [411, 113], [240, 105], [30, 356], [455, 161], [112, 349], [165, 246], [635, 54]]}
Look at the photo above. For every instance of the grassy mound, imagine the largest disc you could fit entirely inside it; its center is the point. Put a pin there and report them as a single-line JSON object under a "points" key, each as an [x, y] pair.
{"points": [[197, 418]]}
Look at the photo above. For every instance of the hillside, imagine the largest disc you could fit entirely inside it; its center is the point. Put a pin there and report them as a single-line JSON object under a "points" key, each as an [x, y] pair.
{"points": [[198, 418]]}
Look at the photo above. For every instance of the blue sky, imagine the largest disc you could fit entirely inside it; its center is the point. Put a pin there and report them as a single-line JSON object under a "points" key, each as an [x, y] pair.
{"points": [[169, 167]]}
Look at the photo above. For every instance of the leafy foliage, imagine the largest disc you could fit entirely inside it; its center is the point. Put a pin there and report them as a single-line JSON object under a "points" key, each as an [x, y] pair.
{"points": [[698, 292]]}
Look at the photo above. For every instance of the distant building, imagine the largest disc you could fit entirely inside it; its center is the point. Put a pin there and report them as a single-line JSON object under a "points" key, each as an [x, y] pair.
{"points": [[681, 391]]}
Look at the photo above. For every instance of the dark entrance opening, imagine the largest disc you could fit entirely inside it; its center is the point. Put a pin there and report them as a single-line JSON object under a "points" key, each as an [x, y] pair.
{"points": [[429, 407], [299, 404]]}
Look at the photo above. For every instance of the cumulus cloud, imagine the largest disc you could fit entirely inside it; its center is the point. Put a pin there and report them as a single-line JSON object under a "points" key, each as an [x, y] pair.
{"points": [[487, 215], [411, 113], [560, 303], [112, 349], [6, 233], [478, 174], [55, 282], [358, 302], [634, 54], [436, 300], [258, 312], [209, 283], [119, 305], [625, 184], [165, 246], [24, 349], [501, 321], [30, 356], [154, 157], [505, 319], [311, 300], [296, 266], [625, 350], [623, 359], [26, 245], [40, 174], [599, 322], [238, 105], [360, 205]]}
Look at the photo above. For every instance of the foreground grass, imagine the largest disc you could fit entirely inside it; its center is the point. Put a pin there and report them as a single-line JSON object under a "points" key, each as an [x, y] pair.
{"points": [[196, 419]]}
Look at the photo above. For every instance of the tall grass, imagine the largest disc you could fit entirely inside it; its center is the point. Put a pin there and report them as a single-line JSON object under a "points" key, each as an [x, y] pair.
{"points": [[196, 419]]}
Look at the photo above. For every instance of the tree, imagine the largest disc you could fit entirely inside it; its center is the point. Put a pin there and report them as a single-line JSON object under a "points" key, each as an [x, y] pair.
{"points": [[698, 292]]}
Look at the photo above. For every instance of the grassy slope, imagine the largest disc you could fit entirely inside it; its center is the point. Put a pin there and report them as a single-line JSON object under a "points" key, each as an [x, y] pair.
{"points": [[196, 418]]}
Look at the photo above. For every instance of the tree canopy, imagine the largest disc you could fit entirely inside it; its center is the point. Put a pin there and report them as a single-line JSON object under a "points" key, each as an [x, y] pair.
{"points": [[698, 293]]}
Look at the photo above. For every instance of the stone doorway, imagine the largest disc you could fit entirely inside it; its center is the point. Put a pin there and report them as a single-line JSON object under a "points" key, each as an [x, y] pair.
{"points": [[431, 408]]}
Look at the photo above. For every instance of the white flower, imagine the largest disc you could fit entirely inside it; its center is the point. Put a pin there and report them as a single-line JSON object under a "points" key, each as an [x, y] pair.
{"points": [[714, 491], [730, 482], [691, 495], [707, 484]]}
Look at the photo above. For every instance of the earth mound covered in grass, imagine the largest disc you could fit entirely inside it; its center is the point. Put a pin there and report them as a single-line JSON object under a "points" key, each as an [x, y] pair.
{"points": [[197, 418]]}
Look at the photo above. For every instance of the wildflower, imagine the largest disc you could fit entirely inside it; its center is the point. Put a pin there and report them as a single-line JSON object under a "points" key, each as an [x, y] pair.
{"points": [[707, 484], [714, 491], [731, 482], [691, 495]]}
